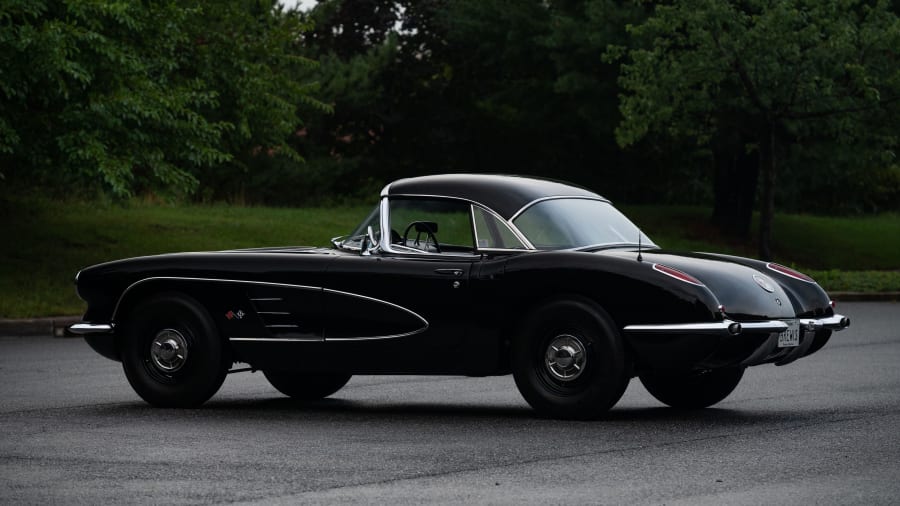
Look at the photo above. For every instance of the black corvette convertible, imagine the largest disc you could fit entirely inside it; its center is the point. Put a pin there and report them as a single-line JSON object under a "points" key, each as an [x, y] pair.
{"points": [[466, 275]]}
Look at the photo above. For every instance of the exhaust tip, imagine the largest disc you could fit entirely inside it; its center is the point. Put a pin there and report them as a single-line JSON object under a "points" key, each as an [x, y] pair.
{"points": [[734, 329], [845, 322]]}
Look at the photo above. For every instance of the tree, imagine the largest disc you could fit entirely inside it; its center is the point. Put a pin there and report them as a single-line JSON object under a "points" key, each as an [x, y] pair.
{"points": [[132, 96], [766, 74], [251, 54], [470, 85]]}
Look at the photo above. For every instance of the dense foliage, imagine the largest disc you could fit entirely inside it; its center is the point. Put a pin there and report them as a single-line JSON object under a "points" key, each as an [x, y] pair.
{"points": [[700, 101], [778, 77], [145, 96], [535, 87]]}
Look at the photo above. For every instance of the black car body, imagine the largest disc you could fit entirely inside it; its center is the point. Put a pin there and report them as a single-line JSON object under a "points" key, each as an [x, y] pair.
{"points": [[474, 275]]}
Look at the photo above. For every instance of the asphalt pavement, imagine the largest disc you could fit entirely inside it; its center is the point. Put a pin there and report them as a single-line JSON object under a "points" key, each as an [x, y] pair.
{"points": [[825, 429]]}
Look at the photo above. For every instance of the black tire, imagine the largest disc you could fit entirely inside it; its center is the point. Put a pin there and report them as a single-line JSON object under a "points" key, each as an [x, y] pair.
{"points": [[554, 386], [693, 390], [154, 333], [306, 387]]}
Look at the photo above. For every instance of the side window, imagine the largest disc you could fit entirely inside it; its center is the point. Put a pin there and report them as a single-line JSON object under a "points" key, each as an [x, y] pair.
{"points": [[432, 225], [490, 232]]}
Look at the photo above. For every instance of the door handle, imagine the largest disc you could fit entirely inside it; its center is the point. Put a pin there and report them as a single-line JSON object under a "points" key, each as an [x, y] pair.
{"points": [[450, 272]]}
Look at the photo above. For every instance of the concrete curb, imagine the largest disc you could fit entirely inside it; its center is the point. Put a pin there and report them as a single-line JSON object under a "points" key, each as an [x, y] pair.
{"points": [[56, 325], [50, 326]]}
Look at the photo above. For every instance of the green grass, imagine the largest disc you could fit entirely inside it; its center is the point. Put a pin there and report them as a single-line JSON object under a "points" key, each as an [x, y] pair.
{"points": [[45, 243], [808, 242], [857, 281]]}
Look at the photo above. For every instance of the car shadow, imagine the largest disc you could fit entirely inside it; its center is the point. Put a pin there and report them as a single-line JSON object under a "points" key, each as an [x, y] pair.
{"points": [[371, 412]]}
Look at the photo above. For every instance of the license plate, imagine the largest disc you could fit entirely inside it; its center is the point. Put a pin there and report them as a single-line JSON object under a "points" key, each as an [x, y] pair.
{"points": [[790, 337]]}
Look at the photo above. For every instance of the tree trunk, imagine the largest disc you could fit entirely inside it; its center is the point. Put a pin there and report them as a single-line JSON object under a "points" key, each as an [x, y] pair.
{"points": [[736, 177], [767, 155]]}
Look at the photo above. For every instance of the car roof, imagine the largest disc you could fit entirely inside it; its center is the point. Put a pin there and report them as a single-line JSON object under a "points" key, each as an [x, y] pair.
{"points": [[505, 195]]}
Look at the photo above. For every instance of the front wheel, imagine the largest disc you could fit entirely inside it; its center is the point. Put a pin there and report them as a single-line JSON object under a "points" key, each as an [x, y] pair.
{"points": [[306, 387], [172, 353], [693, 390], [568, 360]]}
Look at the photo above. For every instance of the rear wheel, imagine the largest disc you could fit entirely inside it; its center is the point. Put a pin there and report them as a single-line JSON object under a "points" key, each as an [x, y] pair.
{"points": [[569, 361], [306, 387], [693, 390], [172, 353]]}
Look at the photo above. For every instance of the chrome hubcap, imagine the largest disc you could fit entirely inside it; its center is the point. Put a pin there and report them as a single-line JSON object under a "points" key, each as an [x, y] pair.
{"points": [[565, 357], [168, 351]]}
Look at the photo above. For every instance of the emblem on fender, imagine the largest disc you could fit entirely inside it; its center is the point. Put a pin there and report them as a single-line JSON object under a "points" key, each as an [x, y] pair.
{"points": [[763, 283], [232, 315]]}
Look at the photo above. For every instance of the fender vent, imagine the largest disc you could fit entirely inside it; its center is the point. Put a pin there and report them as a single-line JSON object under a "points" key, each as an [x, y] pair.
{"points": [[276, 316]]}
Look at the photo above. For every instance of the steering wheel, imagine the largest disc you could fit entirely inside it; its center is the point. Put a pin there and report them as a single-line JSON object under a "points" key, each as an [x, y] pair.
{"points": [[429, 228]]}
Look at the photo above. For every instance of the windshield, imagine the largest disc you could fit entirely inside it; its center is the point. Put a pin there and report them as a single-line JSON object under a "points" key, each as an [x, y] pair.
{"points": [[577, 223], [354, 240]]}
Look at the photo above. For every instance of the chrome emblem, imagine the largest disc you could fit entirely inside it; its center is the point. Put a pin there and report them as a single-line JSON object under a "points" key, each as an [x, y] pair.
{"points": [[763, 283]]}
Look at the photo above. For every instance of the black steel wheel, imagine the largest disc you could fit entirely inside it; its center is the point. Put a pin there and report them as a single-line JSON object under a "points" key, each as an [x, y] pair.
{"points": [[569, 361], [172, 353], [306, 387], [694, 390]]}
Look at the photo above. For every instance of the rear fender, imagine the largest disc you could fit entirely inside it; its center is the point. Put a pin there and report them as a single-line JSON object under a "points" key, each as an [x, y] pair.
{"points": [[808, 298]]}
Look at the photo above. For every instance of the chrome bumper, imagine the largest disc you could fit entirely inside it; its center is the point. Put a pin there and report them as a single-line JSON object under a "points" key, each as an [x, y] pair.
{"points": [[728, 327], [87, 329], [836, 322]]}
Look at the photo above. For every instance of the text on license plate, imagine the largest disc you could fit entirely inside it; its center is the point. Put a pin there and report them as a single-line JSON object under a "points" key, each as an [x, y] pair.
{"points": [[790, 337]]}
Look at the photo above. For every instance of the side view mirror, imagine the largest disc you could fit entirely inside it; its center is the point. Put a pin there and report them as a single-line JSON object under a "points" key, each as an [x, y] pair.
{"points": [[369, 243]]}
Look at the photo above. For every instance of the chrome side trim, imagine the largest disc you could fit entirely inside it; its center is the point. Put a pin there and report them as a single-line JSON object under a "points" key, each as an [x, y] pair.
{"points": [[724, 328], [179, 278], [506, 250], [371, 338], [285, 285], [836, 322], [311, 339], [84, 328]]}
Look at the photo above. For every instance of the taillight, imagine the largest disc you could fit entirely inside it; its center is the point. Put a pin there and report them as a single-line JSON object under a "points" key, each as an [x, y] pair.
{"points": [[787, 271], [675, 273]]}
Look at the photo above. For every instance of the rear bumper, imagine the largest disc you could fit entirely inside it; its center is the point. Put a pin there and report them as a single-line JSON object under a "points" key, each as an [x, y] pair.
{"points": [[728, 327], [836, 322], [727, 343]]}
